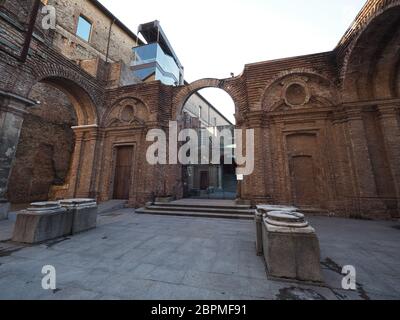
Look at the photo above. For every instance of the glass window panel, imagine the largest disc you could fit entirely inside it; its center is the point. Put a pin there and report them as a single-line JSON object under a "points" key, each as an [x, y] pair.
{"points": [[84, 28], [144, 73]]}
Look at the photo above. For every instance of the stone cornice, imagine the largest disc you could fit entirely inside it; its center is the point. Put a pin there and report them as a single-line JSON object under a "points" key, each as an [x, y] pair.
{"points": [[255, 118], [371, 103], [15, 97]]}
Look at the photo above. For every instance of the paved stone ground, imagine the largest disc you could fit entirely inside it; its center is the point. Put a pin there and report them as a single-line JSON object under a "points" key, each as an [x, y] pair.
{"points": [[132, 256]]}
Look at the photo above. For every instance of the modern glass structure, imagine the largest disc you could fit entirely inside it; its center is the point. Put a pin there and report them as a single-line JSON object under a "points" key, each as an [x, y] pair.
{"points": [[156, 58]]}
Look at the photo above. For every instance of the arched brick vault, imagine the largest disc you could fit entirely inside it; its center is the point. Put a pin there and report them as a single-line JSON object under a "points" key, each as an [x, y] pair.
{"points": [[85, 95], [235, 87], [324, 89], [371, 65]]}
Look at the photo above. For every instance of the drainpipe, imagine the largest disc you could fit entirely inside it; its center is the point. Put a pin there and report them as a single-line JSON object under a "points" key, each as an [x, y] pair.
{"points": [[29, 33], [109, 39]]}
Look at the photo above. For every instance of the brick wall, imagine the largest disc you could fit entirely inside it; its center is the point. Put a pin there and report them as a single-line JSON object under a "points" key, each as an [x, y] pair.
{"points": [[68, 12], [45, 147]]}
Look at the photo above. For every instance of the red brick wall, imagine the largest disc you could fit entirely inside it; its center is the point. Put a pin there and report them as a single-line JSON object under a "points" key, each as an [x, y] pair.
{"points": [[45, 147]]}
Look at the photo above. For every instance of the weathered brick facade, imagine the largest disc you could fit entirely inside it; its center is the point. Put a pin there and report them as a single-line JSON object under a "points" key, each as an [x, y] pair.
{"points": [[327, 129], [45, 147]]}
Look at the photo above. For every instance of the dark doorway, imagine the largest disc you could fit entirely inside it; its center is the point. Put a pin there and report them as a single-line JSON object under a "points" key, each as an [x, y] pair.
{"points": [[204, 180], [303, 179], [123, 172]]}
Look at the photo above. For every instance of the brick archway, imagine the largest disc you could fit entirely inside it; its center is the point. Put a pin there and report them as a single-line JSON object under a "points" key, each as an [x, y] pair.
{"points": [[230, 86], [371, 63], [82, 91], [86, 99]]}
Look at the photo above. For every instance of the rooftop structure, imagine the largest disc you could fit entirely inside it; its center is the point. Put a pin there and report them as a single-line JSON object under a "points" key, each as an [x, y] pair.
{"points": [[156, 58]]}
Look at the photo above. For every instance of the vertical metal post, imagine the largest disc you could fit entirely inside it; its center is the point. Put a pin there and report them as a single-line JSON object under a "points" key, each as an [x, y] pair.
{"points": [[29, 33], [109, 39]]}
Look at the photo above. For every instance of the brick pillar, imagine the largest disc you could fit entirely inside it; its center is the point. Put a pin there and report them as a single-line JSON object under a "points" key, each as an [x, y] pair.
{"points": [[75, 164], [254, 186], [345, 182], [367, 199], [99, 177], [83, 162], [391, 136], [12, 110]]}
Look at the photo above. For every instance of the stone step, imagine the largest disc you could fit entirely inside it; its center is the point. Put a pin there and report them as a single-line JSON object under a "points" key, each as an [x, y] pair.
{"points": [[202, 214], [202, 205], [208, 209], [111, 205]]}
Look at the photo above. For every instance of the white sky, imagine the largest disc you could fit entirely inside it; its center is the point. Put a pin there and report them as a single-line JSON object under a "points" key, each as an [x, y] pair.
{"points": [[213, 38]]}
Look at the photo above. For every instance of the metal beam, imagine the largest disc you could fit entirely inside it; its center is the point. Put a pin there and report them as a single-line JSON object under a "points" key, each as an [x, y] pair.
{"points": [[29, 33]]}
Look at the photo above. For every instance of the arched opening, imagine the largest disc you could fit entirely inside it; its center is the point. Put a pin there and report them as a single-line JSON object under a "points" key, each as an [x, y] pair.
{"points": [[46, 148], [372, 64], [211, 113], [371, 75]]}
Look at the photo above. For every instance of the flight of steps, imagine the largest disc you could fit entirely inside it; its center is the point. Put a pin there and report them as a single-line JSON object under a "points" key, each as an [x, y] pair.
{"points": [[204, 209]]}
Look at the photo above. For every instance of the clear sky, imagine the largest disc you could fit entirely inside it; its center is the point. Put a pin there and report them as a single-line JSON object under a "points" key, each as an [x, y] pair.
{"points": [[213, 38]]}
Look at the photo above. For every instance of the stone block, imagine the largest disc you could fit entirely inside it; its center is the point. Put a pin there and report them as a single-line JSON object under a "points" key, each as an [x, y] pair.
{"points": [[258, 219], [84, 213], [41, 222], [291, 247], [4, 209]]}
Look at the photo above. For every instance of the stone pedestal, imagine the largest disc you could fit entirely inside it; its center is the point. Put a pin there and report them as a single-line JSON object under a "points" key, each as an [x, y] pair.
{"points": [[261, 211], [291, 247], [43, 221], [84, 213], [4, 209], [265, 208]]}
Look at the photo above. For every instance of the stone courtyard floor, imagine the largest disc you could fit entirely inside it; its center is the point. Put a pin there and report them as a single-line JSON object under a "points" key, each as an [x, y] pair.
{"points": [[131, 256]]}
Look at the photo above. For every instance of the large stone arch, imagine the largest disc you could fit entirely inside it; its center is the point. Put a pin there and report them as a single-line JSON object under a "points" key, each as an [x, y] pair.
{"points": [[83, 92], [230, 86], [370, 68], [319, 89]]}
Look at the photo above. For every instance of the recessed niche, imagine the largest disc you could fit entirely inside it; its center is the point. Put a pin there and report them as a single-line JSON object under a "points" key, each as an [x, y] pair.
{"points": [[127, 113]]}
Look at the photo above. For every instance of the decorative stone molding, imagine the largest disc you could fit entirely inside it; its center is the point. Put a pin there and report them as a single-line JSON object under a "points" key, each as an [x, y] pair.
{"points": [[296, 93], [296, 89], [128, 111]]}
